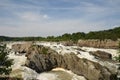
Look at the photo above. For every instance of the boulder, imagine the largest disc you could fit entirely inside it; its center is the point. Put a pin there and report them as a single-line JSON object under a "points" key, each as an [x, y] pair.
{"points": [[101, 54], [68, 43]]}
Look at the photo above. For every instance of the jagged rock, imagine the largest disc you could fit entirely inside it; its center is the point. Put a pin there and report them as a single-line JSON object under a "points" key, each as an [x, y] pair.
{"points": [[43, 59], [99, 43], [21, 48], [101, 54]]}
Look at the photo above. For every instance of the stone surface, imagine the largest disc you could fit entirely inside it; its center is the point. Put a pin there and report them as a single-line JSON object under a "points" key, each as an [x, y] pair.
{"points": [[68, 43], [42, 59], [99, 43], [101, 54], [21, 48]]}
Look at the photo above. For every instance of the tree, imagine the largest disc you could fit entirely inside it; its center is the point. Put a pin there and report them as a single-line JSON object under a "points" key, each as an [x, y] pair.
{"points": [[77, 36], [66, 37], [5, 62]]}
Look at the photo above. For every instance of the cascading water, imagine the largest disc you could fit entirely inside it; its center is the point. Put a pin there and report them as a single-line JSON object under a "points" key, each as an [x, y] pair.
{"points": [[18, 69], [57, 74]]}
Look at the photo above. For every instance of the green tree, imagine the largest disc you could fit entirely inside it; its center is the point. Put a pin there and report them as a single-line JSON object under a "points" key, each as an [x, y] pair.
{"points": [[5, 62], [66, 37], [77, 36]]}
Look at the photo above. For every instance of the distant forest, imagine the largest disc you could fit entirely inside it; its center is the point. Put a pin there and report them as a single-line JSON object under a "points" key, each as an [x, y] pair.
{"points": [[112, 34]]}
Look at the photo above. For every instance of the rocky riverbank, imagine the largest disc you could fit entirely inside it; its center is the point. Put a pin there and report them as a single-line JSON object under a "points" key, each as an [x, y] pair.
{"points": [[43, 58]]}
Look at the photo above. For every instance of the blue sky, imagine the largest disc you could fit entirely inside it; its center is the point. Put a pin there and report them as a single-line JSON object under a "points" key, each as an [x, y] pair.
{"points": [[56, 17]]}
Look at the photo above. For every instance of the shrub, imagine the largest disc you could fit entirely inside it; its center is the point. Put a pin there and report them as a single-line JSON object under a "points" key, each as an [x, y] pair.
{"points": [[5, 63]]}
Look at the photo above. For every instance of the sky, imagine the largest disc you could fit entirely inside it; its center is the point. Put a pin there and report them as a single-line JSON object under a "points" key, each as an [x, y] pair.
{"points": [[20, 18]]}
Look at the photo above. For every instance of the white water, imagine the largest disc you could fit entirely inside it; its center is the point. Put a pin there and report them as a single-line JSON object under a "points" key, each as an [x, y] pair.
{"points": [[113, 52], [59, 74], [61, 49], [18, 69], [28, 73]]}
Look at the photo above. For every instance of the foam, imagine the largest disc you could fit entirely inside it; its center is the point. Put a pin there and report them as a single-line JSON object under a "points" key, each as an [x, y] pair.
{"points": [[28, 73], [47, 76]]}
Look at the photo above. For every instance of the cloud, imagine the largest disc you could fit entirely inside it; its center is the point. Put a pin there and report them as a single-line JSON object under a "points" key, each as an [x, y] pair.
{"points": [[31, 16], [56, 17], [52, 28], [46, 16]]}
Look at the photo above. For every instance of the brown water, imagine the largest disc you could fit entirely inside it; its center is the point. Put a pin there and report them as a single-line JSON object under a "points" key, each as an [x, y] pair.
{"points": [[59, 75]]}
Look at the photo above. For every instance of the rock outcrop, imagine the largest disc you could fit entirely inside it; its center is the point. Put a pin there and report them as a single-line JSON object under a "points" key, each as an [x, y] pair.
{"points": [[101, 54], [21, 48], [42, 59], [99, 43], [68, 43]]}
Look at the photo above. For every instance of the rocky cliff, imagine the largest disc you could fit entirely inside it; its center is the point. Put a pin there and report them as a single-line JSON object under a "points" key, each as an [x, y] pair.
{"points": [[99, 43], [42, 59]]}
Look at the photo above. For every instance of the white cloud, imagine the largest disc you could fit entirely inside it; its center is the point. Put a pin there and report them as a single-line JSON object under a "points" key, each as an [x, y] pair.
{"points": [[35, 20], [58, 27], [31, 16], [46, 16]]}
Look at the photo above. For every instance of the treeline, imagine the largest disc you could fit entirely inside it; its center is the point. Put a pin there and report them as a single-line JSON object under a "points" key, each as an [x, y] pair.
{"points": [[4, 38], [112, 34]]}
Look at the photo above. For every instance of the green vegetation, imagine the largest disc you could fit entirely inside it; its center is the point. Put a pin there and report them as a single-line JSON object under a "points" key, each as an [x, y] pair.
{"points": [[10, 78], [44, 50], [117, 58], [112, 34], [5, 63]]}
